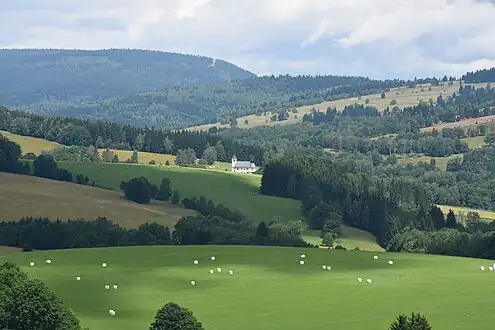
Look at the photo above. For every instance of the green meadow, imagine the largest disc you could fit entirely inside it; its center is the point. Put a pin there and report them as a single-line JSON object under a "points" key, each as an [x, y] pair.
{"points": [[269, 289], [235, 191]]}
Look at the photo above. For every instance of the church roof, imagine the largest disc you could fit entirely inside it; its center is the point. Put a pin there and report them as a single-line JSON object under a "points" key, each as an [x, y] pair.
{"points": [[242, 165]]}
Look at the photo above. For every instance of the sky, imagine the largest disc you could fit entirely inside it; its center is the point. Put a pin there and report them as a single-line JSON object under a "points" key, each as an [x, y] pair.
{"points": [[374, 38]]}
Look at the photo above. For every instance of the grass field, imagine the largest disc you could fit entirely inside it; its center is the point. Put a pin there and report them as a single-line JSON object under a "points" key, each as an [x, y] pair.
{"points": [[475, 142], [484, 214], [404, 96], [465, 123], [235, 191], [30, 144], [441, 162], [269, 289], [144, 157], [7, 249], [350, 238], [22, 195]]}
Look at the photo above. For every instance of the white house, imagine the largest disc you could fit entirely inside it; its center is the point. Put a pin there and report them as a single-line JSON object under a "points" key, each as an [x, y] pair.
{"points": [[243, 166]]}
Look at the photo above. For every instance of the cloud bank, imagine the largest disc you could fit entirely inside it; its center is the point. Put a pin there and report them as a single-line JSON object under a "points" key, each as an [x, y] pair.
{"points": [[378, 38]]}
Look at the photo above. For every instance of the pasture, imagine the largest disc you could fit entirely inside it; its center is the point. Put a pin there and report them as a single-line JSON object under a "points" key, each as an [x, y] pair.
{"points": [[484, 214], [464, 123], [23, 196], [144, 157], [403, 96], [30, 144], [269, 289], [475, 142], [235, 191], [440, 162]]}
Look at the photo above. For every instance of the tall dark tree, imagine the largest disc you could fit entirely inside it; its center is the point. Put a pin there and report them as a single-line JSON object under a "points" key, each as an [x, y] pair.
{"points": [[174, 317], [437, 217], [451, 220], [165, 191], [262, 230]]}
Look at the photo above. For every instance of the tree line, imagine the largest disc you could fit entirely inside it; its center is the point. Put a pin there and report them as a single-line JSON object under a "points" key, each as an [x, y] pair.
{"points": [[101, 135], [397, 210], [480, 76]]}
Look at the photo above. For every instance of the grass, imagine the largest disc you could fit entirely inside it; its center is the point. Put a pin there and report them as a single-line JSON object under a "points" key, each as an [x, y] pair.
{"points": [[7, 249], [350, 238], [269, 289], [475, 142], [30, 144], [441, 162], [404, 96], [22, 196], [144, 157], [464, 123], [235, 191], [484, 214]]}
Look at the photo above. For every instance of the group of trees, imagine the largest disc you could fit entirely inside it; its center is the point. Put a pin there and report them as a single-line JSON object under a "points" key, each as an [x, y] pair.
{"points": [[101, 135], [141, 191], [27, 303]]}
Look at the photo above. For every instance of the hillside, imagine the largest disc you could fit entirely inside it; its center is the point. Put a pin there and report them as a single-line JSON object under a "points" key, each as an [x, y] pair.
{"points": [[236, 192], [30, 144], [44, 80], [25, 196], [451, 292], [401, 96], [179, 107]]}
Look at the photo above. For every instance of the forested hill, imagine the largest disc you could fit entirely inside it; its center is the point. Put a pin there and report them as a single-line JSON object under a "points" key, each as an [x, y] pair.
{"points": [[176, 107], [60, 78]]}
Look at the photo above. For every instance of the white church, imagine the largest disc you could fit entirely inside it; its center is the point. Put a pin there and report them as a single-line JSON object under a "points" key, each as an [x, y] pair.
{"points": [[243, 166]]}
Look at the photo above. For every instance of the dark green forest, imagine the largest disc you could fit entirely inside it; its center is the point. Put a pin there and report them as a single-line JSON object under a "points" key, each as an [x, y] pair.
{"points": [[398, 211], [178, 107], [163, 90], [484, 75], [46, 79]]}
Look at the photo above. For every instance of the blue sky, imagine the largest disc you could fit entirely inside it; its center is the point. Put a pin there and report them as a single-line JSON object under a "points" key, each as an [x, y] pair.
{"points": [[377, 38]]}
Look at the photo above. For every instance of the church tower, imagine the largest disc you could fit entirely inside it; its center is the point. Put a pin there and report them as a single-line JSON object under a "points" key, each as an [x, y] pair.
{"points": [[234, 161]]}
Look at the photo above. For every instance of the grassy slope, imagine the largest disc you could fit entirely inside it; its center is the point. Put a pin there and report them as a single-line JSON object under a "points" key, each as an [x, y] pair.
{"points": [[441, 162], [29, 144], [405, 96], [237, 192], [7, 249], [484, 214], [285, 209], [22, 196], [269, 284], [350, 238]]}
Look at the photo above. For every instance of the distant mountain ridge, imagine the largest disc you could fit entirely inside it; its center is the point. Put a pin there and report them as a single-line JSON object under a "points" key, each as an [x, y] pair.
{"points": [[58, 77]]}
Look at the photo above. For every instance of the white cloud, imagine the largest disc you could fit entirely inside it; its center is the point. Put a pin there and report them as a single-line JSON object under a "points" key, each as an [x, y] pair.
{"points": [[369, 37]]}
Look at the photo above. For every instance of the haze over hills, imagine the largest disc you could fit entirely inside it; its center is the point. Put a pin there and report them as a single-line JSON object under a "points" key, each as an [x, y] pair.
{"points": [[42, 80]]}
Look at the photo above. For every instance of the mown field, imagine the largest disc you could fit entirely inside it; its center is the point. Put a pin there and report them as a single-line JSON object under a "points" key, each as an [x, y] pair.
{"points": [[404, 96], [484, 214], [30, 144], [235, 191], [22, 196], [269, 289]]}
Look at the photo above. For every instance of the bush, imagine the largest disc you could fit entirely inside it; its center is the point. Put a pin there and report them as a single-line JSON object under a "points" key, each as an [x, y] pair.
{"points": [[138, 190], [340, 247], [152, 162], [413, 322], [174, 317]]}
